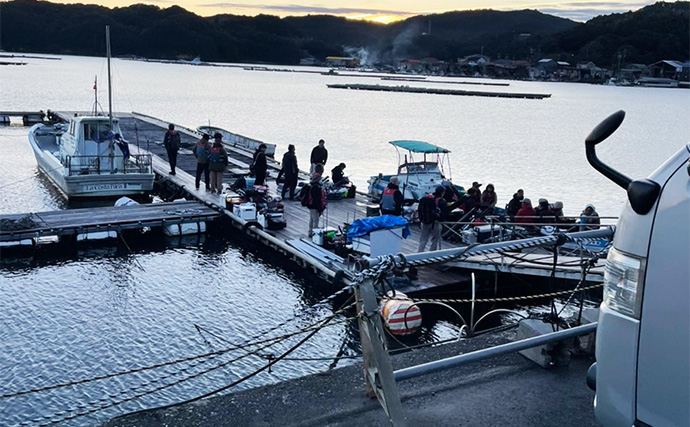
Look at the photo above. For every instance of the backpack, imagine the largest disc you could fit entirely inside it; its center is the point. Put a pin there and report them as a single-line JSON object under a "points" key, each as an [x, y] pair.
{"points": [[429, 211], [215, 155], [305, 195]]}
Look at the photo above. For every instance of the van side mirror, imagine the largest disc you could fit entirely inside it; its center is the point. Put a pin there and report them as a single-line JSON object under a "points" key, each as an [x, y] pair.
{"points": [[642, 193], [600, 133]]}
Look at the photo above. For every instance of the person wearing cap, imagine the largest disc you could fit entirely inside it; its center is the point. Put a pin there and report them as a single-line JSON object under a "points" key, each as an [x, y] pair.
{"points": [[589, 218], [201, 150], [392, 198], [259, 166], [319, 155], [171, 142], [217, 162], [525, 215], [515, 203], [432, 211], [290, 170]]}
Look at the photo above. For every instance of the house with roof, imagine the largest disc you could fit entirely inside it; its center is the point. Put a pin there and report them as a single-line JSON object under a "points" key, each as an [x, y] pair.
{"points": [[669, 69]]}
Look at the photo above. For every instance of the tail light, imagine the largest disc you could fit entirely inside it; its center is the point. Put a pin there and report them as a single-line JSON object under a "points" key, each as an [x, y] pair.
{"points": [[623, 283]]}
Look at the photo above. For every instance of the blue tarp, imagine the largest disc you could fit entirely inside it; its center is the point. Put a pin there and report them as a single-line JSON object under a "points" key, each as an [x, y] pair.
{"points": [[419, 146], [361, 227]]}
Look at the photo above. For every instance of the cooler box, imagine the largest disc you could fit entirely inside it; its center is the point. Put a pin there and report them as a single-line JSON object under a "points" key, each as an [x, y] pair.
{"points": [[380, 242], [319, 236], [246, 211]]}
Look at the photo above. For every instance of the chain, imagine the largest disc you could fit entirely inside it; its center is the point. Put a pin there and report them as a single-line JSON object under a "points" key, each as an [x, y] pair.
{"points": [[520, 298]]}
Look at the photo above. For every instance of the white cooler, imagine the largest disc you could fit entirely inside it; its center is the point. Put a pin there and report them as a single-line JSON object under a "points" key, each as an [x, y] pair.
{"points": [[246, 211], [380, 242]]}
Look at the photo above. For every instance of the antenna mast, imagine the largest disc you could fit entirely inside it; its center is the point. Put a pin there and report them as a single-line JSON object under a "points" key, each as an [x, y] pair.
{"points": [[110, 93]]}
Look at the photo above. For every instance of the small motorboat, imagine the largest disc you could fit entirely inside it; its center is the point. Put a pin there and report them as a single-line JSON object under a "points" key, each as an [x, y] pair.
{"points": [[416, 177]]}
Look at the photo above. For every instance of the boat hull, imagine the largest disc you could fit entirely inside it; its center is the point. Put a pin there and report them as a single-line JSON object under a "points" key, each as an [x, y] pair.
{"points": [[88, 185]]}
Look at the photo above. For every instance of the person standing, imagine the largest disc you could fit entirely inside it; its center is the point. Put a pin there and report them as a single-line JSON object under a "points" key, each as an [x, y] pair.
{"points": [[259, 166], [432, 211], [392, 198], [316, 202], [290, 171], [319, 155], [217, 162], [171, 142], [201, 152]]}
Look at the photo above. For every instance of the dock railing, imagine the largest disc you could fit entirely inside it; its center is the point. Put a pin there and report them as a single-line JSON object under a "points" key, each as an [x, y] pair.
{"points": [[99, 165], [379, 375]]}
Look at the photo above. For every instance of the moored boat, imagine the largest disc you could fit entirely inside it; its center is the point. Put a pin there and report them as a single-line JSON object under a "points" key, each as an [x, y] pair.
{"points": [[416, 178], [237, 140], [88, 157], [657, 82]]}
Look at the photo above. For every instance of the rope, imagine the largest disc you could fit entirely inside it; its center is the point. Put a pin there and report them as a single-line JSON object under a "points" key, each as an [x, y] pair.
{"points": [[520, 298]]}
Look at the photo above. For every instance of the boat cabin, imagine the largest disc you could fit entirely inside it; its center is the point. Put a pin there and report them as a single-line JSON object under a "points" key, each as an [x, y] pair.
{"points": [[89, 146]]}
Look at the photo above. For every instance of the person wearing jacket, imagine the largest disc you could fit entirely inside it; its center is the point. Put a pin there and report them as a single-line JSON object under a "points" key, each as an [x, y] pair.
{"points": [[515, 203], [290, 171], [316, 202], [201, 150], [319, 155], [259, 166], [217, 162], [525, 215], [171, 142], [392, 198]]}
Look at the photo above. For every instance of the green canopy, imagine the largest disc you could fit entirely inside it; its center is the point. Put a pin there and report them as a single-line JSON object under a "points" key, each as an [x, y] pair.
{"points": [[419, 147]]}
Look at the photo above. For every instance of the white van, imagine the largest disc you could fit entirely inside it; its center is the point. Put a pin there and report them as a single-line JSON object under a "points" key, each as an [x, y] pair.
{"points": [[642, 372]]}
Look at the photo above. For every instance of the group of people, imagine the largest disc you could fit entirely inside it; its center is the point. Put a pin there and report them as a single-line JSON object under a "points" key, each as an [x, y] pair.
{"points": [[521, 211], [211, 158]]}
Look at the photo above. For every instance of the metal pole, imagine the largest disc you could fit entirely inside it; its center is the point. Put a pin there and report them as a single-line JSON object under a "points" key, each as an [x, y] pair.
{"points": [[451, 362], [378, 371]]}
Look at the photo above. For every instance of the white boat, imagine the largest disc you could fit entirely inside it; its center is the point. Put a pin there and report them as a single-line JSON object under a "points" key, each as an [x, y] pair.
{"points": [[237, 140], [657, 82], [87, 157], [416, 178]]}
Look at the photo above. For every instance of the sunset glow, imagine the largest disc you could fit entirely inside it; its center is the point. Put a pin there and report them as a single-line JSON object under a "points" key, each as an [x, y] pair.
{"points": [[386, 11]]}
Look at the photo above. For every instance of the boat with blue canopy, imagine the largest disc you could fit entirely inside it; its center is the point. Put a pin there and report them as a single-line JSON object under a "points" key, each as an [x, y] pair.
{"points": [[421, 168]]}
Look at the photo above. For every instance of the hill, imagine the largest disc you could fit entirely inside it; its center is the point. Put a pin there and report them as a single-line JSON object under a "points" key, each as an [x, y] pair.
{"points": [[655, 32]]}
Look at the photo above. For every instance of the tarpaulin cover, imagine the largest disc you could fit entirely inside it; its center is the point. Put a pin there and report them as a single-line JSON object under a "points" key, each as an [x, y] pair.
{"points": [[363, 226]]}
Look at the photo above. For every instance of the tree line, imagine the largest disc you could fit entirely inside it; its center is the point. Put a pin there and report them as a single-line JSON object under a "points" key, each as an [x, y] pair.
{"points": [[659, 31]]}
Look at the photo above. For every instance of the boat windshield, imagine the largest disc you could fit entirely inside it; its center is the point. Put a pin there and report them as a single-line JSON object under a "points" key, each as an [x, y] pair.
{"points": [[419, 167]]}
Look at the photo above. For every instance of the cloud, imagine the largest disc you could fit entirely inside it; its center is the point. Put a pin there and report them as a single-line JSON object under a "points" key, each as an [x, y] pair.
{"points": [[296, 8]]}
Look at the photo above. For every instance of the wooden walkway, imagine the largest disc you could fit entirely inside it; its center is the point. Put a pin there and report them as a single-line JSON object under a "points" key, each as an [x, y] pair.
{"points": [[17, 227]]}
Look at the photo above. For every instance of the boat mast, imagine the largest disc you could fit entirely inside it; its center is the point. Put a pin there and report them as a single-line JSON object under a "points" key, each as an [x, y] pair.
{"points": [[110, 93], [110, 101]]}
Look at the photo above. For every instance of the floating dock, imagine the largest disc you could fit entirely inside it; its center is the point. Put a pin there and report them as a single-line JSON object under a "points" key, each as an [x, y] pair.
{"points": [[71, 222], [435, 91], [145, 135]]}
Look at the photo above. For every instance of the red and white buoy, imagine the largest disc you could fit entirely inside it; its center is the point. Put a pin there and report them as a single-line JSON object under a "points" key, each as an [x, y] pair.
{"points": [[400, 315]]}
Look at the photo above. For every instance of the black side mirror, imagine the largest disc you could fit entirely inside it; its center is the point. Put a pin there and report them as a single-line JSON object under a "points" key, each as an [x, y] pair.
{"points": [[642, 193]]}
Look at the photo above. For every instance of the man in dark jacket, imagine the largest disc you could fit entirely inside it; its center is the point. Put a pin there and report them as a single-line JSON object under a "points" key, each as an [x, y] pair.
{"points": [[290, 171], [171, 142], [259, 166], [338, 176], [432, 211], [392, 198], [515, 203], [319, 155]]}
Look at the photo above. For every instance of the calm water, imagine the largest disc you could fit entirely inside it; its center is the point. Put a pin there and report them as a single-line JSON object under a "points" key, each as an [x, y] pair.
{"points": [[98, 311]]}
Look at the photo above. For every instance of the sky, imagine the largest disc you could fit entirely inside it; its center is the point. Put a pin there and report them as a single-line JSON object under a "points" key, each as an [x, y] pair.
{"points": [[383, 10]]}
